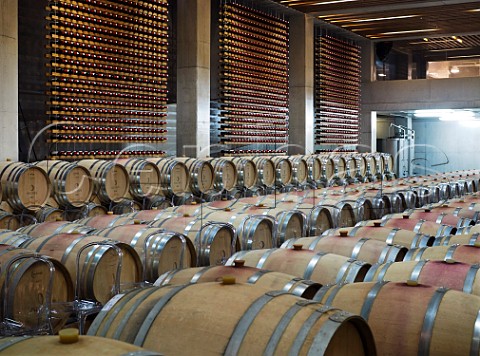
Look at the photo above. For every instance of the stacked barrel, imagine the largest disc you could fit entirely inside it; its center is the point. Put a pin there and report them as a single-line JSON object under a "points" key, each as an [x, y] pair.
{"points": [[335, 245]]}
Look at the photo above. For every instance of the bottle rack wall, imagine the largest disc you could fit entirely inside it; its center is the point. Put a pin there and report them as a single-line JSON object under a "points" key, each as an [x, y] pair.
{"points": [[337, 94], [107, 76], [253, 107]]}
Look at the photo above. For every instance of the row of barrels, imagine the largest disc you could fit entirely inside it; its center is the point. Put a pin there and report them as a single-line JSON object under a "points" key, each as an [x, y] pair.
{"points": [[116, 320], [283, 259], [72, 185]]}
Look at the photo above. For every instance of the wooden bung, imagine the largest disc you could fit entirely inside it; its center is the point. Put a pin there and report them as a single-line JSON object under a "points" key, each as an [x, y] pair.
{"points": [[228, 280], [239, 263], [297, 247], [343, 233]]}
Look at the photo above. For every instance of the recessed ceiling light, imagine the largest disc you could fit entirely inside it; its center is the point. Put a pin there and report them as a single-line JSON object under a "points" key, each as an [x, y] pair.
{"points": [[409, 31], [454, 70], [295, 3], [376, 19], [382, 75]]}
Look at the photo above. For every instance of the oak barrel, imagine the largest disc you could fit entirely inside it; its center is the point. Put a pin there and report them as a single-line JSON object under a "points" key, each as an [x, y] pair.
{"points": [[144, 177], [244, 319], [359, 248], [55, 227], [201, 174], [174, 176], [459, 276], [412, 319], [111, 180], [243, 274], [24, 186], [159, 250], [320, 267], [26, 293], [72, 185], [214, 241], [99, 261]]}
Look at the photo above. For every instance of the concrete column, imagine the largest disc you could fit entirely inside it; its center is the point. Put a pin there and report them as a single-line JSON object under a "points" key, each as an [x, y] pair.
{"points": [[301, 137], [8, 79], [367, 134], [193, 78]]}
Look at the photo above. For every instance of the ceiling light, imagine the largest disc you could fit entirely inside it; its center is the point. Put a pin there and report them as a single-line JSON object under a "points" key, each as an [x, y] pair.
{"points": [[459, 40], [459, 115], [454, 70], [454, 37], [409, 31], [309, 3], [383, 18], [431, 113], [425, 39], [382, 75]]}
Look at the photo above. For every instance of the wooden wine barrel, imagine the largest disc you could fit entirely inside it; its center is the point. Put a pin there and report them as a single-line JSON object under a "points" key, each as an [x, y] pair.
{"points": [[464, 239], [342, 212], [290, 223], [98, 261], [201, 174], [88, 210], [267, 279], [358, 248], [147, 216], [439, 218], [55, 227], [329, 164], [214, 241], [361, 163], [460, 253], [257, 322], [157, 202], [254, 231], [411, 319], [85, 345], [13, 238], [225, 174], [283, 170], [104, 221], [417, 225], [319, 218], [49, 213], [9, 221], [26, 292], [462, 212], [339, 165], [72, 185], [396, 236], [111, 180], [125, 206], [174, 176], [299, 170], [459, 276], [314, 169], [24, 186], [265, 169], [320, 267], [144, 177], [159, 250], [246, 172]]}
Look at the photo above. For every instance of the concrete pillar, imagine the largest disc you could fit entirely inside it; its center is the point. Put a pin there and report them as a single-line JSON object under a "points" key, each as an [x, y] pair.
{"points": [[367, 119], [8, 79], [193, 78], [301, 136]]}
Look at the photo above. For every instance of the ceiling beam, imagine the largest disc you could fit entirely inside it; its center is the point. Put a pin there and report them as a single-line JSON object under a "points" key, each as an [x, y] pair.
{"points": [[435, 35], [392, 7]]}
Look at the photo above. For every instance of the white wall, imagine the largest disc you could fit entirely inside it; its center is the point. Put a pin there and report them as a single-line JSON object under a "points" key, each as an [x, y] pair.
{"points": [[438, 142]]}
